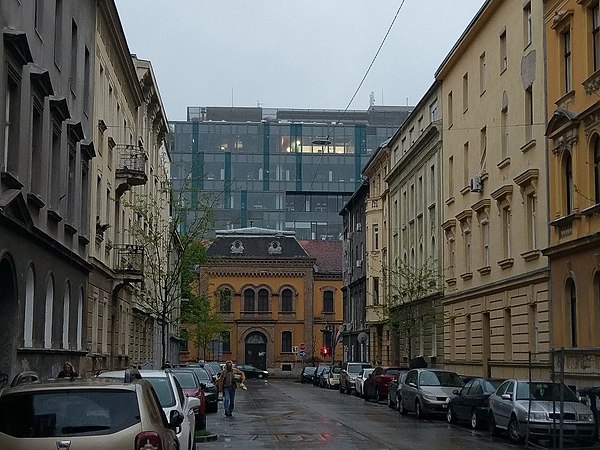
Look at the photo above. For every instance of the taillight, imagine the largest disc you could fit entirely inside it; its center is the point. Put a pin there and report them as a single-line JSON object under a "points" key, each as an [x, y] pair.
{"points": [[148, 440]]}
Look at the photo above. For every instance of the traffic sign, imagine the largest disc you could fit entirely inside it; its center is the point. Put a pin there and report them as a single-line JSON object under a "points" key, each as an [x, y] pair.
{"points": [[302, 347], [302, 353]]}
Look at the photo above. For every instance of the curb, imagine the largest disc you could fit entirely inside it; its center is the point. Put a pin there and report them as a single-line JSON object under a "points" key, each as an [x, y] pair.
{"points": [[208, 438]]}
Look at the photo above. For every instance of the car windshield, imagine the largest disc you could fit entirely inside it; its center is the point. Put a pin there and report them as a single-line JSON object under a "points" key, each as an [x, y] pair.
{"points": [[544, 392], [355, 368], [163, 390], [392, 371], [186, 379], [447, 379], [491, 385], [310, 370], [337, 370], [77, 412]]}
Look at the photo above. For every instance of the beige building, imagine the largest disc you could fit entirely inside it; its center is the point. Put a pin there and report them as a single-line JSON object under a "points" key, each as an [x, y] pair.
{"points": [[414, 235], [573, 66], [375, 255], [129, 133], [495, 207]]}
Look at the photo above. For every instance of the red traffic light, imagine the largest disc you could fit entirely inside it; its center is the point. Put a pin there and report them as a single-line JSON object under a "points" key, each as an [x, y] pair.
{"points": [[324, 351]]}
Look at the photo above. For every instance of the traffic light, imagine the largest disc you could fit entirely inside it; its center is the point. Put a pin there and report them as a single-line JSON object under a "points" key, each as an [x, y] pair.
{"points": [[324, 351]]}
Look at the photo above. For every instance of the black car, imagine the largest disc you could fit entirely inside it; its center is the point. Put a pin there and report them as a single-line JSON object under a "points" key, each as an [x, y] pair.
{"points": [[211, 392], [395, 385], [251, 371], [308, 374], [472, 402], [320, 369]]}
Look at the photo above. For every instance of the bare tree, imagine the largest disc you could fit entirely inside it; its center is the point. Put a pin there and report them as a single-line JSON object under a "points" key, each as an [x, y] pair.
{"points": [[412, 306], [168, 226]]}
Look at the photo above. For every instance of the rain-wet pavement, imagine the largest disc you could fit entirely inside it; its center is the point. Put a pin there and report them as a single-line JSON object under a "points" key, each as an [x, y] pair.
{"points": [[285, 413]]}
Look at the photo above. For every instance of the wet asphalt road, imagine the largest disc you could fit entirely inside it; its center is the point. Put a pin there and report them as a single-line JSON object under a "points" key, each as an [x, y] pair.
{"points": [[284, 413]]}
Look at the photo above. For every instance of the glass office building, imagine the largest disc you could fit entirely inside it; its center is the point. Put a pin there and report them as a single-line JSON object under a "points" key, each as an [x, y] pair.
{"points": [[281, 169]]}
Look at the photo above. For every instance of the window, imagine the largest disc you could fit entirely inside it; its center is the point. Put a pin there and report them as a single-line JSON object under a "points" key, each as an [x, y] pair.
{"points": [[249, 300], [467, 236], [566, 38], [482, 73], [12, 123], [504, 131], [482, 148], [568, 186], [506, 232], [327, 301], [375, 237], [37, 151], [286, 342], [375, 291], [38, 15], [527, 27], [451, 256], [573, 313], [465, 92], [433, 111], [450, 108], [87, 85], [226, 341], [596, 36], [597, 170], [287, 303], [466, 164], [451, 176], [84, 198], [74, 46], [485, 242], [531, 207], [28, 315], [528, 113], [71, 185], [66, 313], [225, 296], [507, 335], [503, 54], [263, 300], [58, 31], [48, 313]]}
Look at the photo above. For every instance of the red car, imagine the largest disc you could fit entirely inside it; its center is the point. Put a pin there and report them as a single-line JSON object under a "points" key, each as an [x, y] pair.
{"points": [[191, 386], [378, 383]]}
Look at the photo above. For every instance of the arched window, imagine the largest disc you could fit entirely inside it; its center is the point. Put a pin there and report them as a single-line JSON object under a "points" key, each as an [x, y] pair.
{"points": [[29, 299], [597, 170], [249, 300], [263, 300], [80, 320], [49, 312], [327, 301], [225, 296], [66, 312], [568, 174], [573, 313], [286, 342], [287, 304]]}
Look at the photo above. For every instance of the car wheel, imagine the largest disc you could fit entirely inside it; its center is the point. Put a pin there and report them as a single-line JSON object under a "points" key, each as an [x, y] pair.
{"points": [[260, 375], [513, 430], [419, 411], [390, 403], [401, 408], [492, 424], [450, 415], [377, 396], [474, 422], [348, 390]]}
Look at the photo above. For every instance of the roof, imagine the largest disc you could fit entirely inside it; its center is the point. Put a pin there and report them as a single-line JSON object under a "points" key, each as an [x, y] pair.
{"points": [[327, 253]]}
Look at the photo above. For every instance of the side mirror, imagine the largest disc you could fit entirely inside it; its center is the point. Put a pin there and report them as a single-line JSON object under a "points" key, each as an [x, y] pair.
{"points": [[455, 392], [506, 397], [175, 419]]}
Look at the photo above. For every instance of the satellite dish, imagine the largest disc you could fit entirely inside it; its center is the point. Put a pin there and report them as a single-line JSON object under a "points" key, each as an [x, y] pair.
{"points": [[362, 337]]}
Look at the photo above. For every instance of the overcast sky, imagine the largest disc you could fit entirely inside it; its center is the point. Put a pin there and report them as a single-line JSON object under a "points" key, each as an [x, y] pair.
{"points": [[292, 54]]}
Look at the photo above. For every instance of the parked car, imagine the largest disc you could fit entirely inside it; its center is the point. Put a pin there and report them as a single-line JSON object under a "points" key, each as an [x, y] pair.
{"points": [[192, 387], [428, 391], [472, 402], [394, 388], [308, 374], [377, 385], [350, 371], [211, 391], [93, 414], [318, 373], [359, 383], [171, 397], [533, 409], [333, 380], [324, 377], [251, 371]]}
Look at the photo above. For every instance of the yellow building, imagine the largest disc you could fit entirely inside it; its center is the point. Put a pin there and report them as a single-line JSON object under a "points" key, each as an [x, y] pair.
{"points": [[494, 216], [275, 293], [573, 66]]}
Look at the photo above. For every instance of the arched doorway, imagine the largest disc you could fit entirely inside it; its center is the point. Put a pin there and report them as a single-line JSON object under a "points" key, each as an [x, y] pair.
{"points": [[8, 303], [256, 350]]}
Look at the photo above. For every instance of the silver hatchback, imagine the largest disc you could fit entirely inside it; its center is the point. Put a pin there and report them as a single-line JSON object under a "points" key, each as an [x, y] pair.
{"points": [[427, 391]]}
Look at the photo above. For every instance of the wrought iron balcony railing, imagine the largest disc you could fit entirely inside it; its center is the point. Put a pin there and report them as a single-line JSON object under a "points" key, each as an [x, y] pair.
{"points": [[131, 170], [129, 260]]}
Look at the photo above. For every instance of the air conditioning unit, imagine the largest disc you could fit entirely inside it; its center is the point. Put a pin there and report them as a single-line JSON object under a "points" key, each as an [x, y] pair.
{"points": [[476, 184], [359, 263], [359, 226]]}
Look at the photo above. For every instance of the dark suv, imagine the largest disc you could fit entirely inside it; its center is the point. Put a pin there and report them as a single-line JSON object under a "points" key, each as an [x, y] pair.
{"points": [[350, 371], [93, 414]]}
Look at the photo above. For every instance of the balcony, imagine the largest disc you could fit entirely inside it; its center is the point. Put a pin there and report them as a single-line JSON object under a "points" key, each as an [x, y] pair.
{"points": [[129, 261], [131, 170]]}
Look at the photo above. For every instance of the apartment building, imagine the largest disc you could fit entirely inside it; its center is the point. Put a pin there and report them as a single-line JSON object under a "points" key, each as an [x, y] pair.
{"points": [[573, 67], [414, 234], [495, 205]]}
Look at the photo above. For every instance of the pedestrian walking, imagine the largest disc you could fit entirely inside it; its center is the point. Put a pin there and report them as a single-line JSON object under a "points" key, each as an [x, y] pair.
{"points": [[229, 379]]}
